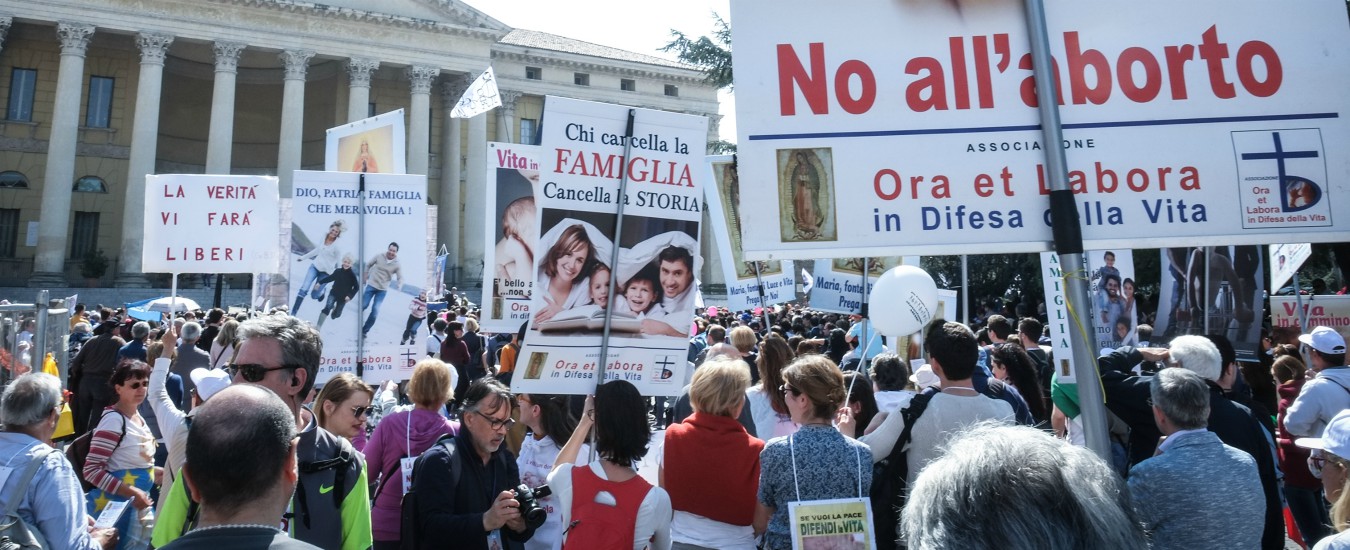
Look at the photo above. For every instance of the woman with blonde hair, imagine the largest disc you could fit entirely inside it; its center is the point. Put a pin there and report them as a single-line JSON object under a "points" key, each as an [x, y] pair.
{"points": [[400, 438], [222, 348], [343, 407], [1333, 467], [714, 507], [815, 463], [324, 259]]}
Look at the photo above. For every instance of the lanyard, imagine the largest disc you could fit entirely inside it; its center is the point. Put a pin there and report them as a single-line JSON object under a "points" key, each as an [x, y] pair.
{"points": [[792, 447]]}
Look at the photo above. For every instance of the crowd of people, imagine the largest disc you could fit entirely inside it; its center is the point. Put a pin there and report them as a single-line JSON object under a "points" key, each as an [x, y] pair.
{"points": [[212, 430]]}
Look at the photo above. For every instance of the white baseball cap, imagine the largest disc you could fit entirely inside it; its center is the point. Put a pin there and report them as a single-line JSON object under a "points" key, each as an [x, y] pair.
{"points": [[1335, 437], [1325, 340], [209, 381], [924, 377]]}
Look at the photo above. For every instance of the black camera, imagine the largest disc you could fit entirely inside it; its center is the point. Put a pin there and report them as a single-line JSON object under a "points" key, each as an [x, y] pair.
{"points": [[530, 509]]}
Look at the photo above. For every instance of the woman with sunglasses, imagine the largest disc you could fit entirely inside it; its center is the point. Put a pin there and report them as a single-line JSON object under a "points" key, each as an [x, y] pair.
{"points": [[1012, 364], [815, 463], [1334, 468], [121, 460], [343, 406], [400, 438]]}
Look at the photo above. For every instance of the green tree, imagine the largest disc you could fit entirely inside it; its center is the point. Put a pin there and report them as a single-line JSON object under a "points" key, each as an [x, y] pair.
{"points": [[713, 57]]}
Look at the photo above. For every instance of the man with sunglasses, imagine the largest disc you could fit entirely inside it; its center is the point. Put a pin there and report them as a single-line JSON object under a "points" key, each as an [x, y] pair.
{"points": [[471, 502], [331, 505]]}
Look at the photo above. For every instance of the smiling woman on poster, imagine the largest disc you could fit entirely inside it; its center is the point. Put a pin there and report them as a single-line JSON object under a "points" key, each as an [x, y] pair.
{"points": [[565, 270], [326, 257]]}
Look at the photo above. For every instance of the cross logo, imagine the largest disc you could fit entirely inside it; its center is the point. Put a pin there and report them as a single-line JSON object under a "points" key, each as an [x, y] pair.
{"points": [[665, 362], [1296, 193]]}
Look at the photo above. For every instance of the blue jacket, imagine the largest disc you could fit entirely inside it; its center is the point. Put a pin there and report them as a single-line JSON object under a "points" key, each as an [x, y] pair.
{"points": [[1200, 493]]}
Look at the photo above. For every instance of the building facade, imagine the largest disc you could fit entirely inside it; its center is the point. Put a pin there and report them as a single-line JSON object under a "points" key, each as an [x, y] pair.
{"points": [[100, 93]]}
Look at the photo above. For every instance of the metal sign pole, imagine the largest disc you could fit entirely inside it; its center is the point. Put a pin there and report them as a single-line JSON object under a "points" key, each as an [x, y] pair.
{"points": [[365, 274], [1068, 234], [763, 307], [863, 308], [614, 260]]}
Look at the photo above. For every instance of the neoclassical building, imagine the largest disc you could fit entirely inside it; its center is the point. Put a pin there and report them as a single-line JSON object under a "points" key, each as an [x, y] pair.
{"points": [[101, 93]]}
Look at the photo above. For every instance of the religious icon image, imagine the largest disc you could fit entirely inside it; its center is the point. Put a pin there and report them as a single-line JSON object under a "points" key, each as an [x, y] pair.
{"points": [[367, 152], [875, 266], [729, 192], [806, 195]]}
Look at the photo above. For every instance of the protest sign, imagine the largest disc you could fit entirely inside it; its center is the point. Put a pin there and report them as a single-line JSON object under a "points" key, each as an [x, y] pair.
{"points": [[837, 287], [1112, 284], [512, 181], [724, 203], [329, 276], [652, 306], [209, 223], [1323, 311], [1212, 290], [893, 127], [1057, 313], [1285, 260], [376, 145], [830, 524]]}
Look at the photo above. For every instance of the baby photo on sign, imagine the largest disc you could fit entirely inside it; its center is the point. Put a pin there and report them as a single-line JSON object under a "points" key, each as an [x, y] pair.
{"points": [[806, 195]]}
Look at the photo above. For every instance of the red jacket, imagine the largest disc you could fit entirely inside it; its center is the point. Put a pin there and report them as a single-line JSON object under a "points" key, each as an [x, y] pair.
{"points": [[712, 468], [1293, 459]]}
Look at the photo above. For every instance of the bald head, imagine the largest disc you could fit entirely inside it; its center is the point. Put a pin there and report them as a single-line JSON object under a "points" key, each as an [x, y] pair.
{"points": [[239, 448]]}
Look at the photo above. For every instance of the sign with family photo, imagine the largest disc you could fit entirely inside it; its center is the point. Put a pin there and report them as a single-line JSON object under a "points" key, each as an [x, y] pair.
{"points": [[652, 304], [512, 186]]}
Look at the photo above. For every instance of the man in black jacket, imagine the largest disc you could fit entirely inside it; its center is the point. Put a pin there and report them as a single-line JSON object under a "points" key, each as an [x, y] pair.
{"points": [[1127, 396], [344, 289], [473, 504]]}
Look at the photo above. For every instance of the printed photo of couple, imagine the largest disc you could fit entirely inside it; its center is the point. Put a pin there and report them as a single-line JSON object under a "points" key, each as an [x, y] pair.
{"points": [[654, 290]]}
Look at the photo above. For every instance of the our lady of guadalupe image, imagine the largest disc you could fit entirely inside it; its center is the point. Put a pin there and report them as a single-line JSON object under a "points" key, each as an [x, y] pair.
{"points": [[806, 195]]}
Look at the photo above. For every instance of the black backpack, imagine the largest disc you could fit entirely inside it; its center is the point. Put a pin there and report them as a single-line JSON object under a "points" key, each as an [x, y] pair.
{"points": [[889, 478], [78, 451], [410, 520]]}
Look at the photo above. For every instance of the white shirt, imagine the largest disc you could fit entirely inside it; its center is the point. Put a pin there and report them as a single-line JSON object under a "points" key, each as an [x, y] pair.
{"points": [[434, 344], [653, 517], [945, 415], [535, 462], [893, 401], [169, 418], [768, 423]]}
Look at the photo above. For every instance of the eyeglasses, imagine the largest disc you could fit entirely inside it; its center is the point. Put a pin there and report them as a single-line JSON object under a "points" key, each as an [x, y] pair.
{"points": [[496, 423], [1316, 461], [136, 385], [360, 411], [786, 388], [253, 372]]}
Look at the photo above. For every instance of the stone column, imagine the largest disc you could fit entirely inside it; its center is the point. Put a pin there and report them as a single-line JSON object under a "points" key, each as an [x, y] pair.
{"points": [[53, 225], [144, 144], [419, 117], [358, 91], [5, 22], [475, 203], [292, 117], [220, 139], [714, 127], [448, 207], [506, 116]]}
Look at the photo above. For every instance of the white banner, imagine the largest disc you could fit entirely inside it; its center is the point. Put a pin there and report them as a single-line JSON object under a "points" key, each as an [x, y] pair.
{"points": [[1323, 311], [1052, 275], [837, 287], [209, 224], [1112, 286], [1212, 290], [330, 276], [743, 290], [652, 307], [1285, 260], [375, 145], [886, 127], [512, 234]]}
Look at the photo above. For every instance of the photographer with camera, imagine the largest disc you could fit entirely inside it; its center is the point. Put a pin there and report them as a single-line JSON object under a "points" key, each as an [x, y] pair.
{"points": [[606, 504], [473, 502]]}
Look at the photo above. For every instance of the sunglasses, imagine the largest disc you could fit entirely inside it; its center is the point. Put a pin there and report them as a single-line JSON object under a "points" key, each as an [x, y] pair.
{"points": [[136, 385], [360, 411], [786, 388], [253, 372], [496, 424]]}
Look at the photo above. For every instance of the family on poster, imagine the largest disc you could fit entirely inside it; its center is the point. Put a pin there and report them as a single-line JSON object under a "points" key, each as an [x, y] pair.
{"points": [[1113, 305], [654, 289]]}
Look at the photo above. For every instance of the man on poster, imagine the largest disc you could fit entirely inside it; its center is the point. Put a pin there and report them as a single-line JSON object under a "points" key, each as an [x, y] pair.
{"points": [[677, 281], [379, 275]]}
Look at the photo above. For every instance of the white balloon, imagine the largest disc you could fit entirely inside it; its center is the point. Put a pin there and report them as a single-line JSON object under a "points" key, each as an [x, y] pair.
{"points": [[902, 301]]}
